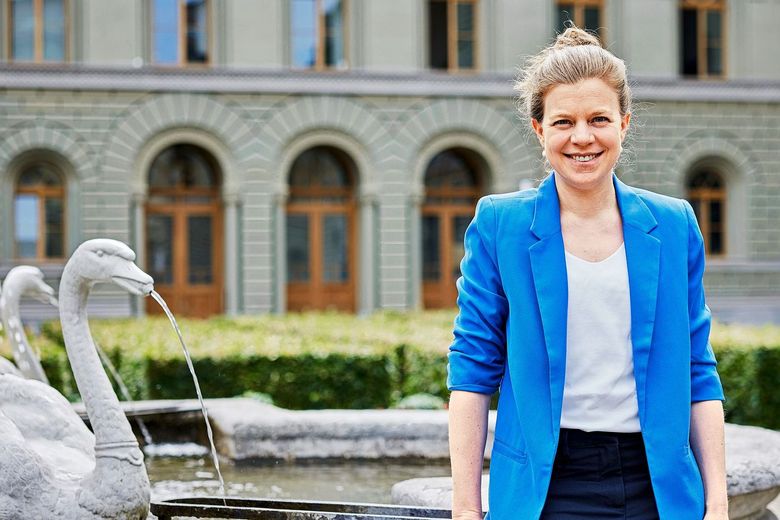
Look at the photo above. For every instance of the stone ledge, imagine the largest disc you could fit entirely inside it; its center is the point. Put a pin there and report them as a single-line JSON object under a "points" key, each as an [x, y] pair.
{"points": [[248, 430]]}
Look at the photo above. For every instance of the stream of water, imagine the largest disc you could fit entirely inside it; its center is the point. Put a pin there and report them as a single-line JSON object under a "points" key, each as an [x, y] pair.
{"points": [[214, 457]]}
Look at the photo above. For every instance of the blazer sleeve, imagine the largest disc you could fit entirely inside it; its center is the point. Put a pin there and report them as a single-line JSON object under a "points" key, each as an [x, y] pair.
{"points": [[477, 354], [705, 382]]}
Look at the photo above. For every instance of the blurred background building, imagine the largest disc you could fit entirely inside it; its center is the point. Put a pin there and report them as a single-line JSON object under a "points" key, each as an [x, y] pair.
{"points": [[275, 155]]}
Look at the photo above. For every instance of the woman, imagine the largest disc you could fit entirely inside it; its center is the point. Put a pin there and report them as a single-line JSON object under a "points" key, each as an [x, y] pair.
{"points": [[582, 301]]}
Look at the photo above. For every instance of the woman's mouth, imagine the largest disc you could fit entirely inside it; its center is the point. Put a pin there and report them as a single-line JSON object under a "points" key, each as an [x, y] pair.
{"points": [[582, 157]]}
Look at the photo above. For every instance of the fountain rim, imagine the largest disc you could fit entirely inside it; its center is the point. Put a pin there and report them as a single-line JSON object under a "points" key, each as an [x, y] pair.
{"points": [[255, 508]]}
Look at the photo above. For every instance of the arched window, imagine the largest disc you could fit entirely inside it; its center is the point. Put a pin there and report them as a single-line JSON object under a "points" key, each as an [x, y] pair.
{"points": [[707, 195], [39, 213], [452, 187], [184, 230], [321, 231]]}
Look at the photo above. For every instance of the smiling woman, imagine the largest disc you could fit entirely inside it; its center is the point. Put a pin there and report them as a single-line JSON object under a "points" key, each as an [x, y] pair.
{"points": [[590, 424]]}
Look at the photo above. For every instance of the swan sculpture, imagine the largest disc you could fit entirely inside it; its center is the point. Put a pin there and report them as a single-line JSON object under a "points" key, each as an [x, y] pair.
{"points": [[51, 466], [23, 280], [6, 367]]}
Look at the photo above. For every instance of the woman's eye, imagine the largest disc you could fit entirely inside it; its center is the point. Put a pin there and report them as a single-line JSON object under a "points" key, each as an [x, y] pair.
{"points": [[561, 122], [601, 119]]}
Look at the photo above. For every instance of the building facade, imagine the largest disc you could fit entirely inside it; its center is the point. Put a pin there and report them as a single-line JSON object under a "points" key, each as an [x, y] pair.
{"points": [[279, 155]]}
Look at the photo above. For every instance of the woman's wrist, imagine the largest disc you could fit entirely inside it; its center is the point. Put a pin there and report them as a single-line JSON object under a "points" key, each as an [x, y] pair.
{"points": [[717, 505]]}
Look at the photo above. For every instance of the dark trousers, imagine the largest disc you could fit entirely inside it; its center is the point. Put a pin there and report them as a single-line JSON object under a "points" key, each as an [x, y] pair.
{"points": [[600, 475]]}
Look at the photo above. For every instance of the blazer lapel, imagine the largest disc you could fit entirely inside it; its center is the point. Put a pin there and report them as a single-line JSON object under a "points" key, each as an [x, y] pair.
{"points": [[643, 254], [548, 263]]}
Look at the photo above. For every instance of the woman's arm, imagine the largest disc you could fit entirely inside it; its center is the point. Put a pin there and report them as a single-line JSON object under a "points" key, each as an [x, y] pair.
{"points": [[707, 442], [707, 437], [468, 430], [477, 359]]}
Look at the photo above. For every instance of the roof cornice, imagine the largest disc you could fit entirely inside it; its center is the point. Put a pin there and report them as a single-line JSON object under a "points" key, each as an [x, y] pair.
{"points": [[348, 83]]}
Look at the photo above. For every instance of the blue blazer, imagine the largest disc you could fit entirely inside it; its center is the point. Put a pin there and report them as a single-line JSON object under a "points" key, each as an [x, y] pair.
{"points": [[510, 335]]}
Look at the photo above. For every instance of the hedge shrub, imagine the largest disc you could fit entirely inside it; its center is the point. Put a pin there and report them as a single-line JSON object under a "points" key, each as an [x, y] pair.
{"points": [[326, 360]]}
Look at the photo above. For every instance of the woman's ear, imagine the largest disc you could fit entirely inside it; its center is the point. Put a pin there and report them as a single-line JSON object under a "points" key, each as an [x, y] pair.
{"points": [[538, 130], [625, 122]]}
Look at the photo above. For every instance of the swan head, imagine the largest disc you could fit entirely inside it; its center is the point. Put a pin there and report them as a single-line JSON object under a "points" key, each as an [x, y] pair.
{"points": [[28, 281], [105, 260]]}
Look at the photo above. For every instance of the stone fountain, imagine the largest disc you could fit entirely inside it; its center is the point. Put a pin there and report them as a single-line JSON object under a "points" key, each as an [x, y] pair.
{"points": [[52, 465]]}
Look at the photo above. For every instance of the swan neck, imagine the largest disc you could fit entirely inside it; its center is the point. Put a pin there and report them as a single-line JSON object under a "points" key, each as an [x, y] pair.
{"points": [[105, 414]]}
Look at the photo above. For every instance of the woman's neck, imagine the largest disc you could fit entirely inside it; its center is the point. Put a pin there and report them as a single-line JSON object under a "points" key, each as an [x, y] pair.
{"points": [[585, 204]]}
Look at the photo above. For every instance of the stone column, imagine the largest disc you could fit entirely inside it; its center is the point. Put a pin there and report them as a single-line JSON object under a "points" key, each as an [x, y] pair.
{"points": [[280, 250], [231, 252], [416, 201], [139, 244], [367, 255]]}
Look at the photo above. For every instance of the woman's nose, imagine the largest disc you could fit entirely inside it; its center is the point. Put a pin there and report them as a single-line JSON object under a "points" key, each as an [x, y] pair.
{"points": [[581, 134]]}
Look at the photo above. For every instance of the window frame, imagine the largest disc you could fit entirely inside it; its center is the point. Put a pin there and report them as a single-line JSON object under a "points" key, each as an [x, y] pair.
{"points": [[453, 34], [579, 14], [320, 38], [704, 196], [181, 47], [38, 33], [702, 7], [42, 192]]}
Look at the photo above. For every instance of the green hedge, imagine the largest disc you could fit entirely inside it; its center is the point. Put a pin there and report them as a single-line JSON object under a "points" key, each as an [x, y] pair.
{"points": [[326, 360]]}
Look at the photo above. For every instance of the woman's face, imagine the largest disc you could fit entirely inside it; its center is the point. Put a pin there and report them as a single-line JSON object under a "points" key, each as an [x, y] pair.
{"points": [[582, 132]]}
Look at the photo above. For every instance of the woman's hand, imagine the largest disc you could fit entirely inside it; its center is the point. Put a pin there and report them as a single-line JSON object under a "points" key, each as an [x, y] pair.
{"points": [[473, 515]]}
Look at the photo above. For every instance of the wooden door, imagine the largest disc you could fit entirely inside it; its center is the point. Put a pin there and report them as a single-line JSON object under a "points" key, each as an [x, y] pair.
{"points": [[183, 256], [321, 231], [452, 187], [443, 229], [184, 233], [320, 257]]}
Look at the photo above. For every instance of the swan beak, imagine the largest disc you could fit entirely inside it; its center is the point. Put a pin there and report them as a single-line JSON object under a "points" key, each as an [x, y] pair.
{"points": [[134, 280], [45, 294]]}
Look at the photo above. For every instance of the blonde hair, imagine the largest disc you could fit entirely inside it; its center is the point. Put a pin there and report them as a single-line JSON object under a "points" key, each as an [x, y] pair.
{"points": [[576, 55]]}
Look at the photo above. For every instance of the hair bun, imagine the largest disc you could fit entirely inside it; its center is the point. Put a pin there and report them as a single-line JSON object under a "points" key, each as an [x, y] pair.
{"points": [[574, 36]]}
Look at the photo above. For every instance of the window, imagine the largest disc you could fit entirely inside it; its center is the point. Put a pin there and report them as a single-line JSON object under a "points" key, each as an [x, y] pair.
{"points": [[702, 38], [180, 32], [585, 14], [452, 34], [318, 34], [707, 195], [39, 225], [38, 30]]}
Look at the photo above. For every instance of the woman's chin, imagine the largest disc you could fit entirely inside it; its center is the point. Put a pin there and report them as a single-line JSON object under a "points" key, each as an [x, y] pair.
{"points": [[586, 180]]}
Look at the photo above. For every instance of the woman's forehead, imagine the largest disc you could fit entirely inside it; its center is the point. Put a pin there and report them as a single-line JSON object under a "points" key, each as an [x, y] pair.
{"points": [[590, 95]]}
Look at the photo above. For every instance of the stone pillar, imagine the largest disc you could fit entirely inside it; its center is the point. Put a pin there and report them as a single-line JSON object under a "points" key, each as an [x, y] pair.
{"points": [[280, 250], [416, 201], [231, 252], [139, 245], [367, 255]]}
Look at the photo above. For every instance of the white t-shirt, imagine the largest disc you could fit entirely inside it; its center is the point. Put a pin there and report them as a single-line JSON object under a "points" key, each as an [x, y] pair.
{"points": [[600, 390]]}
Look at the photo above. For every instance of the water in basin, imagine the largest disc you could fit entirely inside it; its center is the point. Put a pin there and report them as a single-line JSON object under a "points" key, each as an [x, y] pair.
{"points": [[363, 481]]}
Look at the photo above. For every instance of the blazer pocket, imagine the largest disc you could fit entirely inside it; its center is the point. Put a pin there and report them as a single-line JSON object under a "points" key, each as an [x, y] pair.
{"points": [[508, 451]]}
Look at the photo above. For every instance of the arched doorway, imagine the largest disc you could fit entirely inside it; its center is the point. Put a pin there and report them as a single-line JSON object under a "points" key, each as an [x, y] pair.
{"points": [[452, 188], [184, 231], [321, 231], [706, 191]]}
